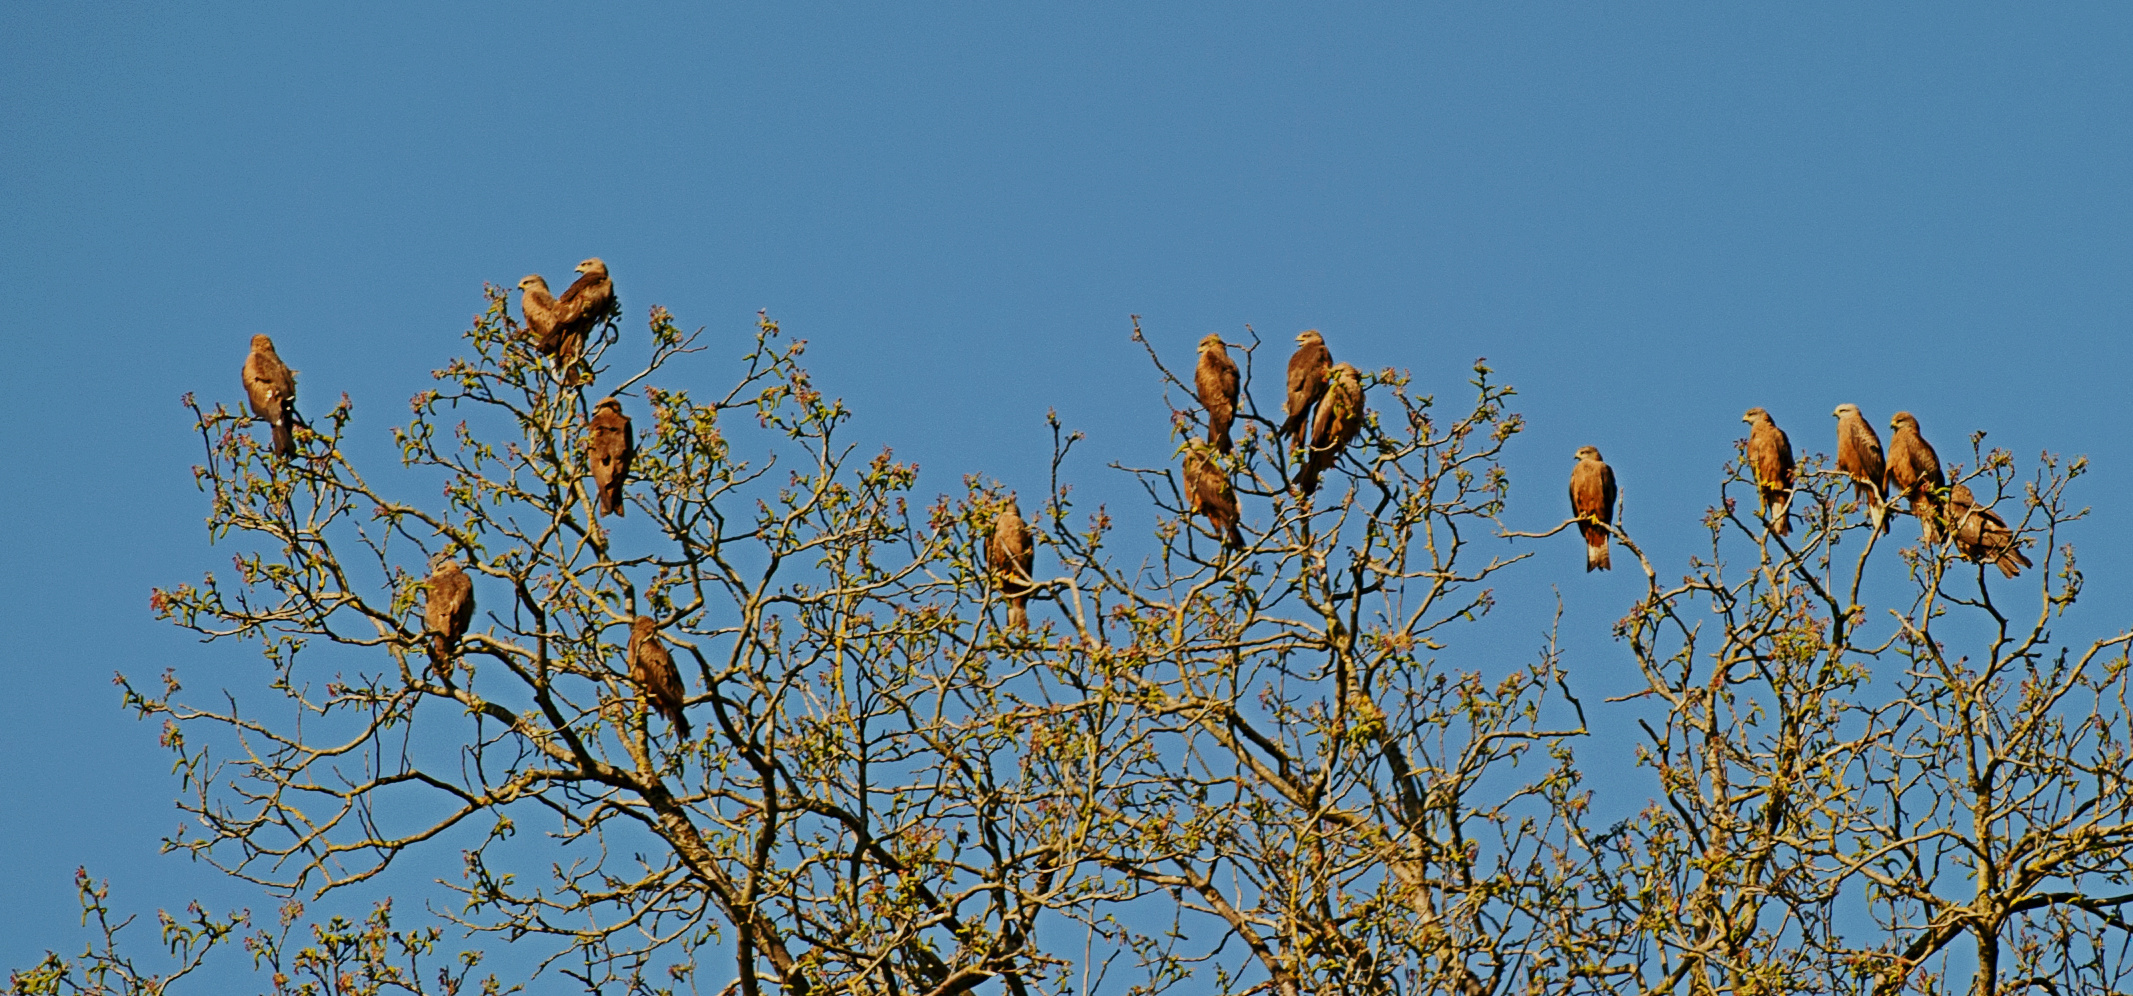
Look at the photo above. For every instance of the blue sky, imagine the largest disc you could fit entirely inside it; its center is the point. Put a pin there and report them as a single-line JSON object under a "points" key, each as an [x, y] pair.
{"points": [[1648, 217]]}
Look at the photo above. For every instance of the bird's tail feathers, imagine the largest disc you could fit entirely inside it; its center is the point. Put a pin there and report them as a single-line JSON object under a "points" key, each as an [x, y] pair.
{"points": [[1218, 437], [1781, 515], [1018, 612], [679, 718], [1596, 553], [2011, 561]]}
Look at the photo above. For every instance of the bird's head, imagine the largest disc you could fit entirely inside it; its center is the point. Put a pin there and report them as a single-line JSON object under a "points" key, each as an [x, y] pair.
{"points": [[1846, 409], [443, 561], [609, 402], [1588, 453], [593, 265], [1901, 419], [263, 343], [643, 625], [1960, 496], [1754, 415], [1211, 341], [533, 281], [1308, 337]]}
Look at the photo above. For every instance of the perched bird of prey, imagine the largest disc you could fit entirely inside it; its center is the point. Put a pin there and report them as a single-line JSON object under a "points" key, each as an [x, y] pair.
{"points": [[589, 301], [270, 387], [1914, 471], [1215, 380], [447, 609], [1010, 558], [1592, 501], [652, 668], [541, 312], [1859, 455], [1340, 417], [1307, 383], [610, 449], [1208, 493], [1770, 456], [1981, 535]]}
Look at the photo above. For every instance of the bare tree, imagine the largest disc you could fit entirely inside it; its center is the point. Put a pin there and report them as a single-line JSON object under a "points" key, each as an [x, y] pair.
{"points": [[852, 815], [1306, 799], [1282, 759], [1882, 800]]}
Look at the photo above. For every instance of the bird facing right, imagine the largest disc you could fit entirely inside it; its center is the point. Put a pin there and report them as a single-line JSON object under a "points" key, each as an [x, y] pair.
{"points": [[589, 301], [1592, 503]]}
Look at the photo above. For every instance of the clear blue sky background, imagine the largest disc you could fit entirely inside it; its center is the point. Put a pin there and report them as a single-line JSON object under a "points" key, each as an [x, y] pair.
{"points": [[1648, 217]]}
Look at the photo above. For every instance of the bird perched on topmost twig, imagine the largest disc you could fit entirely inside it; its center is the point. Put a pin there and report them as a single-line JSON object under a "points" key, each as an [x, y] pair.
{"points": [[589, 301], [270, 388], [1859, 456], [1914, 471], [541, 311], [1592, 502], [1215, 381], [1308, 368], [1770, 458]]}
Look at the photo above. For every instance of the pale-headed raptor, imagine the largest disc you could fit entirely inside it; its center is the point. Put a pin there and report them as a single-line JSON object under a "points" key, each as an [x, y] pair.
{"points": [[1010, 557], [1859, 457], [589, 301], [447, 609], [1770, 458], [1340, 417], [270, 388], [652, 668], [1308, 368], [609, 448], [1981, 535], [1208, 492], [1215, 381], [1592, 503], [1914, 472], [541, 311]]}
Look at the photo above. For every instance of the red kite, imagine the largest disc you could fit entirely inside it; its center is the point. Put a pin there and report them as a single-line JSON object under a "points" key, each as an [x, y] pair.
{"points": [[1592, 501]]}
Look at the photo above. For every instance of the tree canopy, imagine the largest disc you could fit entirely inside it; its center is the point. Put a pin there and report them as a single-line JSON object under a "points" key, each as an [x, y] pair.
{"points": [[1200, 767]]}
